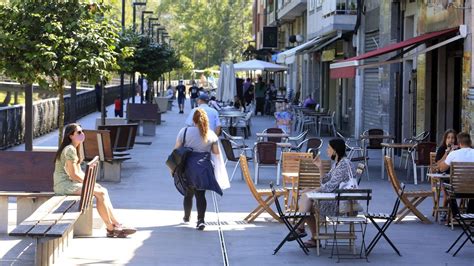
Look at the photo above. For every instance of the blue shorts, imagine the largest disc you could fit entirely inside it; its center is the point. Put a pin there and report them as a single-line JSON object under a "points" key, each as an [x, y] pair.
{"points": [[181, 100]]}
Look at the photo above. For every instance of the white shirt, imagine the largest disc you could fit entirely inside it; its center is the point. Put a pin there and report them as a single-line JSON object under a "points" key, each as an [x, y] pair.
{"points": [[212, 115], [145, 85], [194, 140], [461, 155]]}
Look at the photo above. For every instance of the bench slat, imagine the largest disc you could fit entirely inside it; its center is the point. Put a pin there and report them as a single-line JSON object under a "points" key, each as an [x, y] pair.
{"points": [[49, 220], [23, 228], [67, 221]]}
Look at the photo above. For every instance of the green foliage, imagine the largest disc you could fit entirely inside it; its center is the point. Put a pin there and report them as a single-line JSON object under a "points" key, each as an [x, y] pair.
{"points": [[153, 59], [208, 31]]}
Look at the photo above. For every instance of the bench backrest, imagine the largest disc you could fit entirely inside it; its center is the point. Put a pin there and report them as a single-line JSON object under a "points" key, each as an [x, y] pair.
{"points": [[146, 111], [97, 143], [122, 137], [26, 171], [88, 185]]}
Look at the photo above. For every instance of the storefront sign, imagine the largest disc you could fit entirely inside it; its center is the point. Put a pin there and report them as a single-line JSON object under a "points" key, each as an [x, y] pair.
{"points": [[328, 55]]}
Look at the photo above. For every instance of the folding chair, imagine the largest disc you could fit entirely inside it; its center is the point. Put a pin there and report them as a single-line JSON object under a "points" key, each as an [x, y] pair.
{"points": [[263, 204], [389, 218], [297, 217], [465, 220], [290, 162], [340, 219], [411, 199], [461, 186]]}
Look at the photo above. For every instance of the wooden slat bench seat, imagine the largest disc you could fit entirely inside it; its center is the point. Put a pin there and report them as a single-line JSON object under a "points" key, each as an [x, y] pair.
{"points": [[122, 136], [146, 114], [28, 177], [98, 143], [60, 218]]}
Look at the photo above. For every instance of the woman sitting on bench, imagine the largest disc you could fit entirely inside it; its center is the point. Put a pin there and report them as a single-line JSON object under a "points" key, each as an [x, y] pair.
{"points": [[68, 178]]}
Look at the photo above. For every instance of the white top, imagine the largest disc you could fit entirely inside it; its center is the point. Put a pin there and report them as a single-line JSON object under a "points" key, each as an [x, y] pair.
{"points": [[212, 115], [195, 141], [145, 85], [461, 155]]}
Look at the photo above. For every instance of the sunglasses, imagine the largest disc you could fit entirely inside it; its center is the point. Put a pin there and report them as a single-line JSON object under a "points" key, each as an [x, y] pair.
{"points": [[79, 132]]}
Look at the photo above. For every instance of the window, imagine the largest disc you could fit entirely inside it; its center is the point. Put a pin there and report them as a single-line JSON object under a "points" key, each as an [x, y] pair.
{"points": [[312, 4], [319, 3]]}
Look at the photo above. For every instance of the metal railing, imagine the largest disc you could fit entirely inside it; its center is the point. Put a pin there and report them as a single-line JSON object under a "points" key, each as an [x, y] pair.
{"points": [[45, 115]]}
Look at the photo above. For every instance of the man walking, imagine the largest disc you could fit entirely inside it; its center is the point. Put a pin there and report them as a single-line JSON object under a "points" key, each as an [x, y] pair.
{"points": [[260, 95], [212, 114], [193, 94], [181, 89]]}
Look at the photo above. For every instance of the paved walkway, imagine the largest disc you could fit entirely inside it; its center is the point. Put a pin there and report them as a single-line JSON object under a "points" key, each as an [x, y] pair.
{"points": [[147, 199]]}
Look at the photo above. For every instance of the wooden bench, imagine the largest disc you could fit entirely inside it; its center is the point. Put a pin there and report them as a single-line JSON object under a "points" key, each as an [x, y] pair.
{"points": [[60, 218], [98, 143], [27, 176], [146, 114], [122, 136]]}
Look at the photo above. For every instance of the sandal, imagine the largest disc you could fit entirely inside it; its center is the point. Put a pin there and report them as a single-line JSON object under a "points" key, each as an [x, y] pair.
{"points": [[310, 243], [301, 233]]}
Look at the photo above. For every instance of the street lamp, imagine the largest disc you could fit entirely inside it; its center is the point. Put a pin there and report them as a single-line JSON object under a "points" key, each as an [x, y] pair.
{"points": [[158, 31], [135, 4], [134, 27], [150, 28], [143, 20]]}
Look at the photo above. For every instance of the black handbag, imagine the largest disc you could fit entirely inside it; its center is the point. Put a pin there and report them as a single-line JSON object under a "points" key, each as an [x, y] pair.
{"points": [[177, 158]]}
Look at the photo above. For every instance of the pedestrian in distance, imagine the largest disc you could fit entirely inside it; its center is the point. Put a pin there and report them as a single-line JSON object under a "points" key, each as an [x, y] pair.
{"points": [[68, 178], [118, 107], [181, 90], [193, 94], [198, 169]]}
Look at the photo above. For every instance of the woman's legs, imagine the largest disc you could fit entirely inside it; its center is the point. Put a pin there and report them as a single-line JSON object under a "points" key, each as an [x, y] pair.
{"points": [[201, 204], [104, 207], [188, 204]]}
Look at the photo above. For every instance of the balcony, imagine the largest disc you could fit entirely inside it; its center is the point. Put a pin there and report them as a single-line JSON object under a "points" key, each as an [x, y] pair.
{"points": [[332, 16], [271, 19], [292, 9]]}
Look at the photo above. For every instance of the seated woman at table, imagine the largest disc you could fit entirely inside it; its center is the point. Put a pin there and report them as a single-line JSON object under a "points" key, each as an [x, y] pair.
{"points": [[340, 173], [448, 144]]}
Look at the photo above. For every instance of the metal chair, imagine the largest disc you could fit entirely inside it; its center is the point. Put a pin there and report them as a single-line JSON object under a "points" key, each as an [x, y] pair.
{"points": [[465, 220], [422, 137], [339, 219], [297, 219], [327, 121], [266, 155], [274, 130], [298, 139], [422, 160], [230, 156], [355, 153], [388, 218]]}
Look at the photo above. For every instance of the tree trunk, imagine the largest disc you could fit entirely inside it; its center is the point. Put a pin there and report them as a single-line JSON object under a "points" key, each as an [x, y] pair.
{"points": [[60, 90]]}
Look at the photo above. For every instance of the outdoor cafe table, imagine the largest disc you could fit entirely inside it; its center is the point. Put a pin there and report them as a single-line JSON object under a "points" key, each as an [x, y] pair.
{"points": [[231, 115], [388, 148], [438, 180], [321, 196]]}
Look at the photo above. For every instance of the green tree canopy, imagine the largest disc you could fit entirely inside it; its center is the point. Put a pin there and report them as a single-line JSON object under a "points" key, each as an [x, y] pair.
{"points": [[208, 31], [53, 41]]}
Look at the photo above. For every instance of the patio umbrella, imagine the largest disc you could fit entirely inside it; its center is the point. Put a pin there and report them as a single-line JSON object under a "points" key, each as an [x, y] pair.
{"points": [[221, 82], [258, 65], [230, 88]]}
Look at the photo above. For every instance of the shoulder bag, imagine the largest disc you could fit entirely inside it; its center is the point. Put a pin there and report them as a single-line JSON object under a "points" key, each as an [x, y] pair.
{"points": [[177, 158]]}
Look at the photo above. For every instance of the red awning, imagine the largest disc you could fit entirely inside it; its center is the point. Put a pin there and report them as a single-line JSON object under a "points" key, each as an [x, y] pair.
{"points": [[347, 68]]}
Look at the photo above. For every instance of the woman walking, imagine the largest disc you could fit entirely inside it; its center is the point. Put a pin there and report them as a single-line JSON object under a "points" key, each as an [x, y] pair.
{"points": [[199, 170], [68, 178]]}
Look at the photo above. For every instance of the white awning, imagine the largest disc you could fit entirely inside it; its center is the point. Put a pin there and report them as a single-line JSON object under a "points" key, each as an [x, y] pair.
{"points": [[288, 56]]}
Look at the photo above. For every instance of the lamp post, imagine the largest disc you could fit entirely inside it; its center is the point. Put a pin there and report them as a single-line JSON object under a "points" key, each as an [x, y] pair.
{"points": [[150, 30], [122, 76], [143, 20], [134, 27]]}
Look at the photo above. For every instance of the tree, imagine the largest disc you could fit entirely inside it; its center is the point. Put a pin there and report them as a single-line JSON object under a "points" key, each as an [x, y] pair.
{"points": [[50, 42], [208, 31]]}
